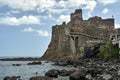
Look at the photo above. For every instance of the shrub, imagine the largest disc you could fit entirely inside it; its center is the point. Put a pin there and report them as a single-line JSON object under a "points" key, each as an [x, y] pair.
{"points": [[108, 51]]}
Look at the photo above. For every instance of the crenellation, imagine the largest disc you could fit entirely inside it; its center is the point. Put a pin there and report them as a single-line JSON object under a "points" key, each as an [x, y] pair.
{"points": [[109, 21], [77, 16]]}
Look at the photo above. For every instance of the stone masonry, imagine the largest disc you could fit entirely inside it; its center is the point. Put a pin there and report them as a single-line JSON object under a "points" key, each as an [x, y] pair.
{"points": [[68, 38]]}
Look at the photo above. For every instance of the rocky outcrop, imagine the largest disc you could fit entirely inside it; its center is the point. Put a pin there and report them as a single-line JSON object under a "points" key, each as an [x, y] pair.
{"points": [[66, 72], [78, 75], [40, 78], [12, 78], [16, 64], [35, 63], [52, 73], [67, 39]]}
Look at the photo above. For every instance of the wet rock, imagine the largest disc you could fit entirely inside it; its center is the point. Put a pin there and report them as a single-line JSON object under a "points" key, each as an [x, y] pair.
{"points": [[113, 68], [16, 64], [46, 61], [94, 71], [78, 75], [60, 63], [72, 71], [40, 78], [34, 63], [88, 76], [119, 73], [36, 73], [12, 78], [107, 77], [71, 62], [66, 72], [52, 73]]}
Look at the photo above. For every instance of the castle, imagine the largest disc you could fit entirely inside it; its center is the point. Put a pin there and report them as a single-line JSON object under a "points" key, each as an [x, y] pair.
{"points": [[68, 38]]}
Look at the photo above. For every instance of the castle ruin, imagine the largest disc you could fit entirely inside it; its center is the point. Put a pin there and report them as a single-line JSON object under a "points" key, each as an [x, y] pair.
{"points": [[68, 38]]}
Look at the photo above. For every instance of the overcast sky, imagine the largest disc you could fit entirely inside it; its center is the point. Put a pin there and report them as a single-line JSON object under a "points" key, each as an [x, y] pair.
{"points": [[25, 25]]}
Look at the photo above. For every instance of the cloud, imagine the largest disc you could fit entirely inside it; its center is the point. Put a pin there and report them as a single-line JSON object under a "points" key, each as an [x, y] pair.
{"points": [[86, 4], [106, 2], [29, 29], [105, 11], [42, 33], [117, 25], [18, 21], [45, 5], [63, 18], [49, 16], [90, 4], [15, 11], [52, 6], [20, 4], [89, 14], [27, 5]]}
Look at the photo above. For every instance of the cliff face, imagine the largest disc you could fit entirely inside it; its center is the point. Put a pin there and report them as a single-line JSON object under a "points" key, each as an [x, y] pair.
{"points": [[68, 38]]}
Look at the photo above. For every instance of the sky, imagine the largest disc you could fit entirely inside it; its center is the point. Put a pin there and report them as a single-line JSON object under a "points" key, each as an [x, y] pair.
{"points": [[26, 25]]}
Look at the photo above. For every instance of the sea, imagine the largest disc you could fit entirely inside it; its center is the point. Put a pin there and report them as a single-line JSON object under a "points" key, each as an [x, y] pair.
{"points": [[27, 71]]}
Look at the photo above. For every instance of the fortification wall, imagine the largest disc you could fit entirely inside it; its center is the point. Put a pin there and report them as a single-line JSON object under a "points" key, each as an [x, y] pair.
{"points": [[68, 38], [59, 45]]}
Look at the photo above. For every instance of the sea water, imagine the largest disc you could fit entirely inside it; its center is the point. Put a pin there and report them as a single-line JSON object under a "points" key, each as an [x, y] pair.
{"points": [[26, 71]]}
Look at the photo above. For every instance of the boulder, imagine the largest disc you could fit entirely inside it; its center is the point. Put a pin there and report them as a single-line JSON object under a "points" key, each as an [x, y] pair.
{"points": [[34, 63], [94, 71], [78, 75], [119, 73], [66, 72], [88, 76], [52, 73], [113, 68], [40, 78], [60, 63], [12, 78], [107, 77], [16, 64], [72, 71]]}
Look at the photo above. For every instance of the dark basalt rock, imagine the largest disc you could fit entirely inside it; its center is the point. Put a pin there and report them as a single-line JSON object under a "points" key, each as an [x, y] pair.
{"points": [[78, 75], [60, 63], [16, 64], [66, 72], [35, 63], [52, 73], [40, 78], [12, 78], [107, 77]]}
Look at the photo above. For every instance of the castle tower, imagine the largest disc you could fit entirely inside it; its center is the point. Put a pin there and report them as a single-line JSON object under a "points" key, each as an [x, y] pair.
{"points": [[68, 39], [77, 16]]}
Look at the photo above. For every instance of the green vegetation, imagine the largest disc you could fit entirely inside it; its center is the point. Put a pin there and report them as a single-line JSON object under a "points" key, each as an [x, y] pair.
{"points": [[80, 52], [108, 51]]}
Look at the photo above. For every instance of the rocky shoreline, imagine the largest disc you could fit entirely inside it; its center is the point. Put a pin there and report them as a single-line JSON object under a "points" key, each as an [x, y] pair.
{"points": [[85, 69], [94, 69]]}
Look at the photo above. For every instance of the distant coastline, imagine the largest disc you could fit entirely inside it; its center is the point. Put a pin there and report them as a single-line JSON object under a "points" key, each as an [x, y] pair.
{"points": [[20, 58]]}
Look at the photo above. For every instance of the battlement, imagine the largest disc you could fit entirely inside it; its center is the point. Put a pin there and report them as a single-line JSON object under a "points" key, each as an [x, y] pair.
{"points": [[95, 18], [77, 15]]}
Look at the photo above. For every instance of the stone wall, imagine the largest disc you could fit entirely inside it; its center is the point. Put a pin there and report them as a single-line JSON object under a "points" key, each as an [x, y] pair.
{"points": [[60, 43], [68, 38]]}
